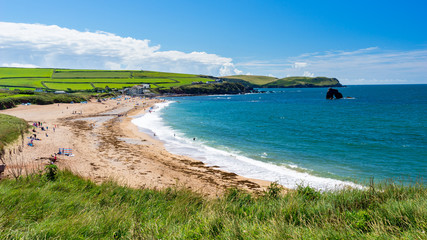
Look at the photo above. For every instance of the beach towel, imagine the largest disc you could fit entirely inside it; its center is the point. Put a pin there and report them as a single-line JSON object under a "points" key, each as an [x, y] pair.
{"points": [[65, 151]]}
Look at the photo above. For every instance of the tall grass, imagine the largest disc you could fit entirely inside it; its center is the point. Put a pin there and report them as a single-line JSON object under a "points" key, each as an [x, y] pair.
{"points": [[10, 129], [70, 207]]}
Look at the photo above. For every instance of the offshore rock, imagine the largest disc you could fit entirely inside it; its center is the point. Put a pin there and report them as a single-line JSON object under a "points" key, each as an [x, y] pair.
{"points": [[333, 93]]}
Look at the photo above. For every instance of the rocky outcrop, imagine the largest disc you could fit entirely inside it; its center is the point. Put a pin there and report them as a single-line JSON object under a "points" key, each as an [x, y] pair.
{"points": [[333, 93]]}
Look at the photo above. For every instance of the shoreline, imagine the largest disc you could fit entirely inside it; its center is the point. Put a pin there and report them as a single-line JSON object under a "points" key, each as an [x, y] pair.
{"points": [[238, 163], [107, 146]]}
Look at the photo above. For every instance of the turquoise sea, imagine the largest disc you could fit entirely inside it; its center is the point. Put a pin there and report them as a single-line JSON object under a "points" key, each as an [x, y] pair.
{"points": [[296, 136]]}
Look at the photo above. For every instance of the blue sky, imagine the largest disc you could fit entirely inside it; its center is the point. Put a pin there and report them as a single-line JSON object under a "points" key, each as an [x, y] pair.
{"points": [[359, 42]]}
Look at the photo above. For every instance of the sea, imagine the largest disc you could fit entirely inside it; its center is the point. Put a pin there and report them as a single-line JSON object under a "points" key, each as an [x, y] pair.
{"points": [[296, 137]]}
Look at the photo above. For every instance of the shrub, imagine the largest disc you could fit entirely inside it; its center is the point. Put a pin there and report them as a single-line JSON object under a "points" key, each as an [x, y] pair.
{"points": [[41, 99], [273, 190], [6, 103], [51, 172], [308, 193], [359, 219]]}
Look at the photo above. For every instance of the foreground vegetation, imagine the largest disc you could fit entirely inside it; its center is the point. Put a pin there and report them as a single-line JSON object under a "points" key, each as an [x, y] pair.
{"points": [[11, 129], [61, 205]]}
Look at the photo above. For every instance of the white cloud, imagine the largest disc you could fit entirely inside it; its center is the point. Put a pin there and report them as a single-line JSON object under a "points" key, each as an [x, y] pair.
{"points": [[371, 65], [263, 64], [237, 72], [308, 74], [19, 65], [300, 65], [363, 81], [54, 46], [228, 69]]}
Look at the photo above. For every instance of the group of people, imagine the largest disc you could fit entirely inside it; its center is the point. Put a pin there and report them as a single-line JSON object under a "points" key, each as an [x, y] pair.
{"points": [[34, 136], [53, 158], [37, 124]]}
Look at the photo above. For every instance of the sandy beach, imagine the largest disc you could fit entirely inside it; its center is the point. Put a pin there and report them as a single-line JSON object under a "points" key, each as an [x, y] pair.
{"points": [[107, 146]]}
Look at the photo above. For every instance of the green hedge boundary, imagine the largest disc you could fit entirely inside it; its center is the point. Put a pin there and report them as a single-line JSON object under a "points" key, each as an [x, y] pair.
{"points": [[45, 99]]}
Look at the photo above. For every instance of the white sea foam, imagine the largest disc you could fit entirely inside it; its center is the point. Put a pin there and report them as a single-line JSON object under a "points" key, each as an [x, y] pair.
{"points": [[175, 142]]}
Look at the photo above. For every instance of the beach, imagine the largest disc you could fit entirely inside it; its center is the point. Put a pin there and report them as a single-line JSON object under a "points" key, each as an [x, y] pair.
{"points": [[106, 146]]}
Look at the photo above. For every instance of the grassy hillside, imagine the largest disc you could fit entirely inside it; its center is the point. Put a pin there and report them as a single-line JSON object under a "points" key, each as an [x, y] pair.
{"points": [[253, 79], [304, 82], [51, 79], [86, 80], [59, 205], [271, 82], [10, 129], [213, 88]]}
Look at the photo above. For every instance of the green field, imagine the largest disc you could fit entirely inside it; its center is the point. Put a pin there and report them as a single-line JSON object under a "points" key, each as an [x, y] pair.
{"points": [[22, 82], [25, 72], [86, 80], [112, 85], [139, 74], [68, 85], [91, 74]]}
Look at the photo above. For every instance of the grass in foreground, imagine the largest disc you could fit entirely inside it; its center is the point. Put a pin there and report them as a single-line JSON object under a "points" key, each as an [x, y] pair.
{"points": [[65, 206]]}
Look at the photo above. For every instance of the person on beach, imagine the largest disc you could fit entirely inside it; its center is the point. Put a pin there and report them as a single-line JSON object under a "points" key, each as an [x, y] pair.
{"points": [[53, 158]]}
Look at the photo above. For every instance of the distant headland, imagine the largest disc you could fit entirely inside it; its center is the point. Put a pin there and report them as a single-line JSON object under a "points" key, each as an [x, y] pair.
{"points": [[287, 82], [142, 82]]}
